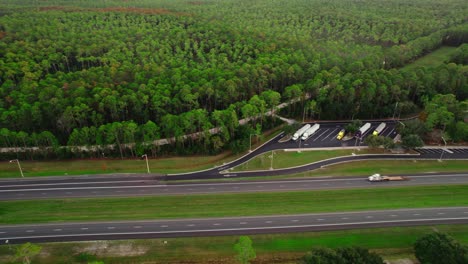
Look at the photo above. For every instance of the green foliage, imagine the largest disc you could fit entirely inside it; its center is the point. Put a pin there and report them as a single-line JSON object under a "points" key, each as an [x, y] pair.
{"points": [[97, 72], [244, 249], [377, 141], [27, 251], [353, 126], [412, 141], [345, 255], [439, 248], [461, 54], [85, 257]]}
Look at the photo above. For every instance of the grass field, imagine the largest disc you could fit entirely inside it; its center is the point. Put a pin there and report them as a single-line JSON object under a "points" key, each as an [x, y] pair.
{"points": [[432, 59], [223, 205], [101, 166], [391, 243], [286, 159]]}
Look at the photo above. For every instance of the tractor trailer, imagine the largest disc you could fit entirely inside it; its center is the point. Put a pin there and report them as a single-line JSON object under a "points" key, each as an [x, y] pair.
{"points": [[310, 131], [379, 178], [301, 131], [363, 130], [379, 129]]}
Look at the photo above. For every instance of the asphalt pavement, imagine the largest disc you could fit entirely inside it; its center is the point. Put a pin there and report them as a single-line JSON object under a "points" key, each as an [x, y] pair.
{"points": [[155, 188], [230, 225]]}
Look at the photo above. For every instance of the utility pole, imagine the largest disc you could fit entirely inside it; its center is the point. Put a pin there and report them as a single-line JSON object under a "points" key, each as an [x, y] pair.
{"points": [[271, 164], [19, 166], [147, 165], [443, 150], [394, 111], [250, 141]]}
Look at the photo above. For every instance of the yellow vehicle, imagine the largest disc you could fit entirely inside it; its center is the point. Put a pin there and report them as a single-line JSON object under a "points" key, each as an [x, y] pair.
{"points": [[340, 134]]}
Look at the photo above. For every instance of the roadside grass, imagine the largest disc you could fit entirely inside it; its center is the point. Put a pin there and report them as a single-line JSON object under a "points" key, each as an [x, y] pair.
{"points": [[224, 205], [106, 166], [391, 243], [393, 167], [103, 166], [432, 59], [287, 159]]}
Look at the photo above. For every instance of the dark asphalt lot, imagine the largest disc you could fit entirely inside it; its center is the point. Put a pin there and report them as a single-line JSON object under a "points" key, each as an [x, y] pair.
{"points": [[230, 226]]}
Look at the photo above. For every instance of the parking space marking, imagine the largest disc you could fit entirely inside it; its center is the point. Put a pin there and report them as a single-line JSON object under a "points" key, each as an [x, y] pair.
{"points": [[331, 133], [321, 134]]}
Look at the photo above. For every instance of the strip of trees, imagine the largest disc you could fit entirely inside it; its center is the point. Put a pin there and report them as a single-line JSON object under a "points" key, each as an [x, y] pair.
{"points": [[81, 70]]}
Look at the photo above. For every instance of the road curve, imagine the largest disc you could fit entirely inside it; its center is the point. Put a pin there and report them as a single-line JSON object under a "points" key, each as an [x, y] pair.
{"points": [[148, 187], [231, 226]]}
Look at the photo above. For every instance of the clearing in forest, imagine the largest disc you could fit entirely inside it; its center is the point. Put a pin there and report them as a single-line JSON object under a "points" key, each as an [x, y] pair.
{"points": [[432, 59]]}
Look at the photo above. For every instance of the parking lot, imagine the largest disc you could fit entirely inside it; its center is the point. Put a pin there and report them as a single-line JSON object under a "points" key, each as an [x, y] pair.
{"points": [[325, 137]]}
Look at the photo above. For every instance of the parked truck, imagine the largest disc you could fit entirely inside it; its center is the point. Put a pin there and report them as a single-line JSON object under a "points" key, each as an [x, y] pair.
{"points": [[363, 130], [301, 131], [310, 131], [379, 129], [379, 178]]}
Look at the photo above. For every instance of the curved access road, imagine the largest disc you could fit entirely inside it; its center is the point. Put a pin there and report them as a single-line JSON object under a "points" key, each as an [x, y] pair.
{"points": [[231, 226], [150, 187]]}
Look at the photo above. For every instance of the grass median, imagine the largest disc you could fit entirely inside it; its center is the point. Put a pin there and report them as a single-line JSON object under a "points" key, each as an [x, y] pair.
{"points": [[391, 243], [223, 205]]}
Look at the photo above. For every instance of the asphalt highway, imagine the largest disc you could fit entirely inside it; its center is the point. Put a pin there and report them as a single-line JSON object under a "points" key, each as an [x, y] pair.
{"points": [[154, 188], [230, 226]]}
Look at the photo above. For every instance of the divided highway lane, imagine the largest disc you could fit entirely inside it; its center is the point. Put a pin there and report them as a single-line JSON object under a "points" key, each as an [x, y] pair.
{"points": [[153, 188], [230, 226]]}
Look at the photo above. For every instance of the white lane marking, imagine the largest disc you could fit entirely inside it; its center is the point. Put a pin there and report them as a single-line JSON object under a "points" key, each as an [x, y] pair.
{"points": [[142, 190], [216, 184], [137, 226], [29, 231], [344, 218], [294, 220], [320, 219], [2, 232], [111, 227], [321, 134], [84, 228], [465, 212], [369, 216], [333, 132], [416, 214], [242, 223], [246, 228], [393, 215], [58, 229], [440, 213], [43, 193], [216, 224], [281, 186], [190, 225], [268, 222], [164, 226]]}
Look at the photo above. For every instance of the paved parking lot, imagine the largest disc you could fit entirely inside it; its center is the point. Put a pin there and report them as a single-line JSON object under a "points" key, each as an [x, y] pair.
{"points": [[325, 137], [441, 152]]}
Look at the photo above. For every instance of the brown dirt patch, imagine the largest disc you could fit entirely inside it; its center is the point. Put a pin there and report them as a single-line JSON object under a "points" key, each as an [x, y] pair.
{"points": [[2, 34]]}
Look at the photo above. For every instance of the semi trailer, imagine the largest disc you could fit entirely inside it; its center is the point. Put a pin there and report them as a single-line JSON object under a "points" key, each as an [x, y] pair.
{"points": [[309, 132], [379, 178], [379, 129], [363, 130], [301, 131]]}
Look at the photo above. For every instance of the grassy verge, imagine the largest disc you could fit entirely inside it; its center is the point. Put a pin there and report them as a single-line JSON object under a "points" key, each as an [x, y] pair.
{"points": [[286, 159], [391, 243], [103, 166], [432, 59], [390, 167], [223, 205]]}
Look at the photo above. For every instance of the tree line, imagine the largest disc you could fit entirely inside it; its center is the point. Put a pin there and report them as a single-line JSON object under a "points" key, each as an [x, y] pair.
{"points": [[187, 68]]}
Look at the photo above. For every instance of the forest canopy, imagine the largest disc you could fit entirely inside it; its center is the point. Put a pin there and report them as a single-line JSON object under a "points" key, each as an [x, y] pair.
{"points": [[176, 67]]}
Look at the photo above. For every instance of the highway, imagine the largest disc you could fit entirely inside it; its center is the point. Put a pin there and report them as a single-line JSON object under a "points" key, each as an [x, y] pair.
{"points": [[230, 225], [151, 187]]}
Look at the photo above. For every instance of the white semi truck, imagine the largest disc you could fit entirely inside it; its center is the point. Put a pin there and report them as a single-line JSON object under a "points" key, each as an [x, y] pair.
{"points": [[301, 131], [379, 178], [379, 129], [309, 132], [363, 130]]}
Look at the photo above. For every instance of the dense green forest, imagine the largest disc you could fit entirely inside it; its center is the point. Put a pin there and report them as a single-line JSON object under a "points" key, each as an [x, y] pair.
{"points": [[111, 72]]}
